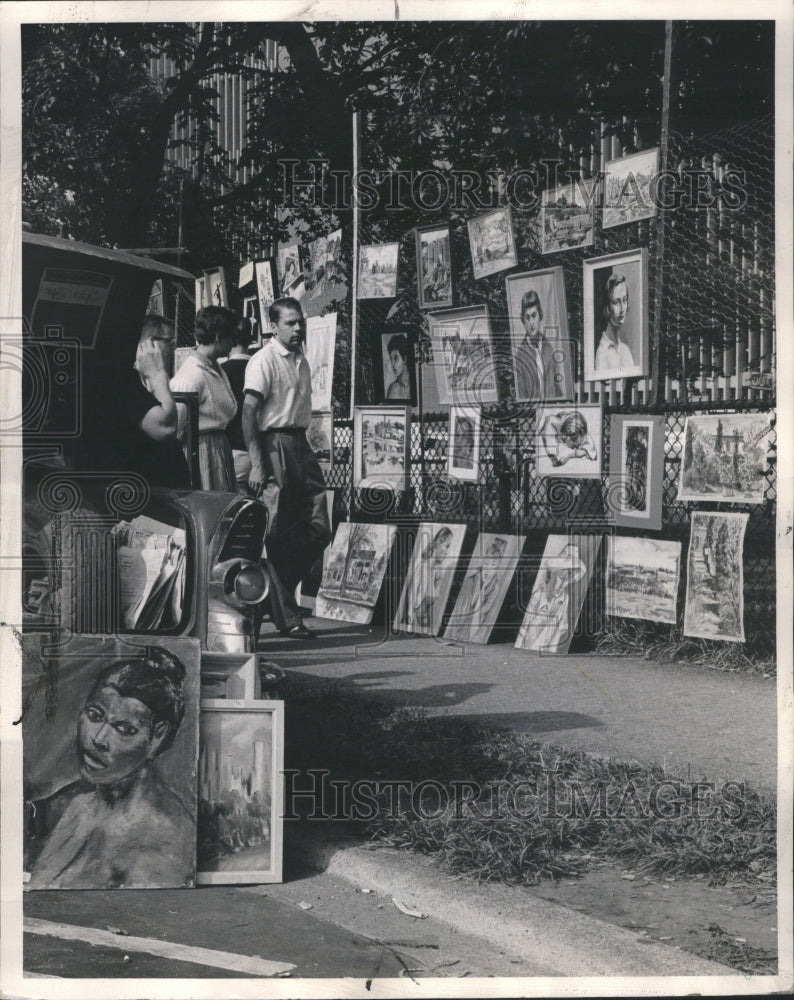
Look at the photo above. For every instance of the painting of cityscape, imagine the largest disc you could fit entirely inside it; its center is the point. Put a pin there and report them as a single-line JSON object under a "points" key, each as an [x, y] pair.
{"points": [[627, 188], [377, 271], [380, 447], [567, 216], [354, 571], [241, 760], [483, 591], [434, 270], [715, 578], [725, 458], [642, 578], [429, 579], [463, 356], [493, 246]]}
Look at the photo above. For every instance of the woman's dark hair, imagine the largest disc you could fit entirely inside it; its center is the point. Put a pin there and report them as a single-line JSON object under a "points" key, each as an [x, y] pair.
{"points": [[214, 323], [243, 332], [155, 677], [399, 343]]}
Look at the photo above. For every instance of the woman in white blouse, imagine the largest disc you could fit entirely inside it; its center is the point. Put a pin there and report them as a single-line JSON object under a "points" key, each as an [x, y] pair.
{"points": [[201, 373]]}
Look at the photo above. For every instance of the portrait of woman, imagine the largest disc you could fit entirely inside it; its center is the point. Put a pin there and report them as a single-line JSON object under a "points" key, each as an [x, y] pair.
{"points": [[616, 316], [395, 368]]}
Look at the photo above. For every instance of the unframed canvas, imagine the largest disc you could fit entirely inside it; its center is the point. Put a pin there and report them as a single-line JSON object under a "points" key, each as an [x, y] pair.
{"points": [[715, 577], [429, 579], [319, 349], [320, 436], [725, 458], [354, 572], [642, 578], [433, 267], [484, 587]]}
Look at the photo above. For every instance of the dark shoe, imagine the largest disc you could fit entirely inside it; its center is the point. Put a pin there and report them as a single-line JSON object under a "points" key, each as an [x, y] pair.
{"points": [[298, 632]]}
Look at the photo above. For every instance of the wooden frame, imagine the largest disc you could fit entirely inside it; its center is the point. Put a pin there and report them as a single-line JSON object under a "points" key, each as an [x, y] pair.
{"points": [[463, 356], [614, 308], [567, 216], [433, 276], [627, 188], [391, 426], [378, 269], [229, 675], [235, 769], [389, 383], [465, 436], [492, 242], [569, 440], [636, 471]]}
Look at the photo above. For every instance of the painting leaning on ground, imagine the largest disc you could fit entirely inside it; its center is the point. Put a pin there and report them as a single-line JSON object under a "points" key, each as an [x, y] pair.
{"points": [[642, 578], [715, 578]]}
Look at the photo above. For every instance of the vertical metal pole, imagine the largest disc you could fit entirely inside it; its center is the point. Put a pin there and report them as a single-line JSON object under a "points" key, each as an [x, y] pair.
{"points": [[356, 220]]}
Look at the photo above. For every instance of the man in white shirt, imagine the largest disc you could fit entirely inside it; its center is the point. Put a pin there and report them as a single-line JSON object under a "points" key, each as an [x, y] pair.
{"points": [[277, 410], [613, 354]]}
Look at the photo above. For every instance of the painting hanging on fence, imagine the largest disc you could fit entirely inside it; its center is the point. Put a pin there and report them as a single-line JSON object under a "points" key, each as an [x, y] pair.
{"points": [[616, 316], [725, 457], [381, 444], [289, 269], [636, 471], [428, 582], [319, 348], [320, 435], [433, 267], [484, 587], [715, 578], [628, 188], [354, 572], [463, 358], [240, 791], [568, 440], [265, 271], [492, 243], [559, 590], [567, 216], [215, 282], [463, 451], [395, 370], [251, 312], [642, 578], [377, 271], [109, 765], [542, 351], [315, 276]]}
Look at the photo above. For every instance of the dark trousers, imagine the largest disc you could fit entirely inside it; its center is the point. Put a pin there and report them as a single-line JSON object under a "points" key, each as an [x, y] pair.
{"points": [[298, 529]]}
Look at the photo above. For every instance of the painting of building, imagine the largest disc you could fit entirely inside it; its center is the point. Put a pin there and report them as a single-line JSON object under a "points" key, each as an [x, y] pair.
{"points": [[354, 572], [377, 271], [725, 457]]}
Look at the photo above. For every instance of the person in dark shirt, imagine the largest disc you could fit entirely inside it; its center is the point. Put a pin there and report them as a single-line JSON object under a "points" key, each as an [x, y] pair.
{"points": [[234, 367]]}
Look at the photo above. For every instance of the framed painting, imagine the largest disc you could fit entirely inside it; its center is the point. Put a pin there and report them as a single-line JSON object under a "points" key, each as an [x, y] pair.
{"points": [[246, 276], [715, 579], [567, 216], [484, 587], [320, 436], [395, 368], [229, 675], [109, 766], [463, 451], [642, 578], [616, 316], [541, 349], [568, 440], [463, 358], [240, 792], [377, 271], [433, 267], [381, 446], [251, 312], [725, 457], [636, 471], [354, 572], [559, 590], [428, 582], [492, 243], [627, 188], [215, 281], [265, 271], [319, 348]]}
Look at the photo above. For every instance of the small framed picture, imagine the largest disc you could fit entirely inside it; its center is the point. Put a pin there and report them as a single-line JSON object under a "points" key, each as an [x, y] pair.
{"points": [[265, 271], [433, 267], [463, 357], [320, 436], [215, 281], [568, 441], [251, 311], [395, 368], [240, 790], [567, 216], [628, 188], [636, 470], [463, 452], [381, 446], [290, 273], [539, 342], [493, 245], [377, 271], [616, 316]]}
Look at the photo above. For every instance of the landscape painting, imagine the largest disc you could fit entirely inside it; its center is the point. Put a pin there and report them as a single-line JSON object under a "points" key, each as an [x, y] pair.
{"points": [[715, 578], [725, 458], [484, 587], [429, 579], [319, 349], [642, 578], [627, 188], [567, 216], [377, 271], [381, 437], [354, 572], [463, 357], [636, 471], [492, 243]]}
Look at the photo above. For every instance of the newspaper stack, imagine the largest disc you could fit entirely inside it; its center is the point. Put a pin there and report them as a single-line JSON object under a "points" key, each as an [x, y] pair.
{"points": [[151, 566]]}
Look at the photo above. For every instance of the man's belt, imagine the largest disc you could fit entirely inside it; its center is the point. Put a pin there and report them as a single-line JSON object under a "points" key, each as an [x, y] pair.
{"points": [[285, 430]]}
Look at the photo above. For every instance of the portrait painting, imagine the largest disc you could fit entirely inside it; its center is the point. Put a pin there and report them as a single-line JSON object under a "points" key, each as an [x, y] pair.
{"points": [[484, 587], [715, 578], [354, 572], [567, 216], [215, 282], [265, 288], [616, 316], [642, 578], [539, 343], [377, 271], [725, 457], [395, 368], [240, 792], [428, 582], [463, 358], [319, 348], [110, 749], [636, 471], [320, 435], [628, 188], [568, 440], [433, 267], [492, 243], [463, 451], [559, 590], [381, 443]]}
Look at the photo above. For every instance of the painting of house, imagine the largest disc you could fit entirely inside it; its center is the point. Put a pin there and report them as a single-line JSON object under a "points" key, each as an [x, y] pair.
{"points": [[354, 572]]}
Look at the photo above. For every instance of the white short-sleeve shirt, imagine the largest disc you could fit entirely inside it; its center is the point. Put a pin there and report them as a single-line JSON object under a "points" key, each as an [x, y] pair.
{"points": [[283, 379]]}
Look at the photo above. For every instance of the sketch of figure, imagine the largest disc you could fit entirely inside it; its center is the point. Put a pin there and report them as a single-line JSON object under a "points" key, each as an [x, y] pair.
{"points": [[119, 825], [484, 587], [428, 578], [548, 624], [564, 436]]}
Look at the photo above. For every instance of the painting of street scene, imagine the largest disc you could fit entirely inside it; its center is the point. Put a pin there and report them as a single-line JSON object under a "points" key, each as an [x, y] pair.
{"points": [[627, 188], [725, 458], [715, 577], [642, 578], [377, 271], [463, 356], [354, 572], [320, 435], [380, 447], [567, 214], [492, 243]]}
